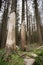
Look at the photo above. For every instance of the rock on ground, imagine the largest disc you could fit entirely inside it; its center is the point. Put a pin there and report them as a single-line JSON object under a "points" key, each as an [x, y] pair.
{"points": [[29, 61]]}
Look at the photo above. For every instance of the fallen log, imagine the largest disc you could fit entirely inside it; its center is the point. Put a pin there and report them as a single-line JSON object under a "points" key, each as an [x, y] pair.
{"points": [[40, 47]]}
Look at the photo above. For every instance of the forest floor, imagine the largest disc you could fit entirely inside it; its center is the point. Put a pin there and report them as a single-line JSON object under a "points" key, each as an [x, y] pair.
{"points": [[35, 54], [34, 46]]}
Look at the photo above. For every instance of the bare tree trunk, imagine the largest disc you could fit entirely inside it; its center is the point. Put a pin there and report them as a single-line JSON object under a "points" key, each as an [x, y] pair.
{"points": [[23, 30], [11, 36], [23, 36], [0, 4], [4, 24], [38, 21], [28, 23]]}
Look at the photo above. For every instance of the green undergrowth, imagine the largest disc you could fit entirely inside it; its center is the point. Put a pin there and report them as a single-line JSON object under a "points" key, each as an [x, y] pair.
{"points": [[14, 59], [39, 58]]}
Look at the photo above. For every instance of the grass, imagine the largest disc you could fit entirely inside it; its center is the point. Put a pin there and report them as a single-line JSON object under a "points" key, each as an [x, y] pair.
{"points": [[39, 59], [14, 59]]}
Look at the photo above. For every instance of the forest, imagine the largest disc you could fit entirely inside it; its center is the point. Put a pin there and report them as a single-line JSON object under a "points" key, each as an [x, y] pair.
{"points": [[21, 32]]}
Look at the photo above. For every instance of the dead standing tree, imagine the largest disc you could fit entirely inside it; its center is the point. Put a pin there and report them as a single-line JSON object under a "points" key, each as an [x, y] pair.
{"points": [[11, 36]]}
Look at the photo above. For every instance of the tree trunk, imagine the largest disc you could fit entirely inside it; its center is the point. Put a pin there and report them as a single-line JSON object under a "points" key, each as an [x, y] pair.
{"points": [[11, 36], [23, 30], [23, 36], [0, 4], [38, 21], [28, 23], [4, 25]]}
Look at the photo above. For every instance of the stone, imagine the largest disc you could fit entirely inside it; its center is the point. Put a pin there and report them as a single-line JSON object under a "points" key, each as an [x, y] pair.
{"points": [[29, 61]]}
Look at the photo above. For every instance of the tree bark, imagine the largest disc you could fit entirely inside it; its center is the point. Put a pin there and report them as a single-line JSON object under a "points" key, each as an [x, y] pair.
{"points": [[0, 4], [4, 25], [38, 21], [23, 30], [11, 36], [28, 23], [23, 36]]}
